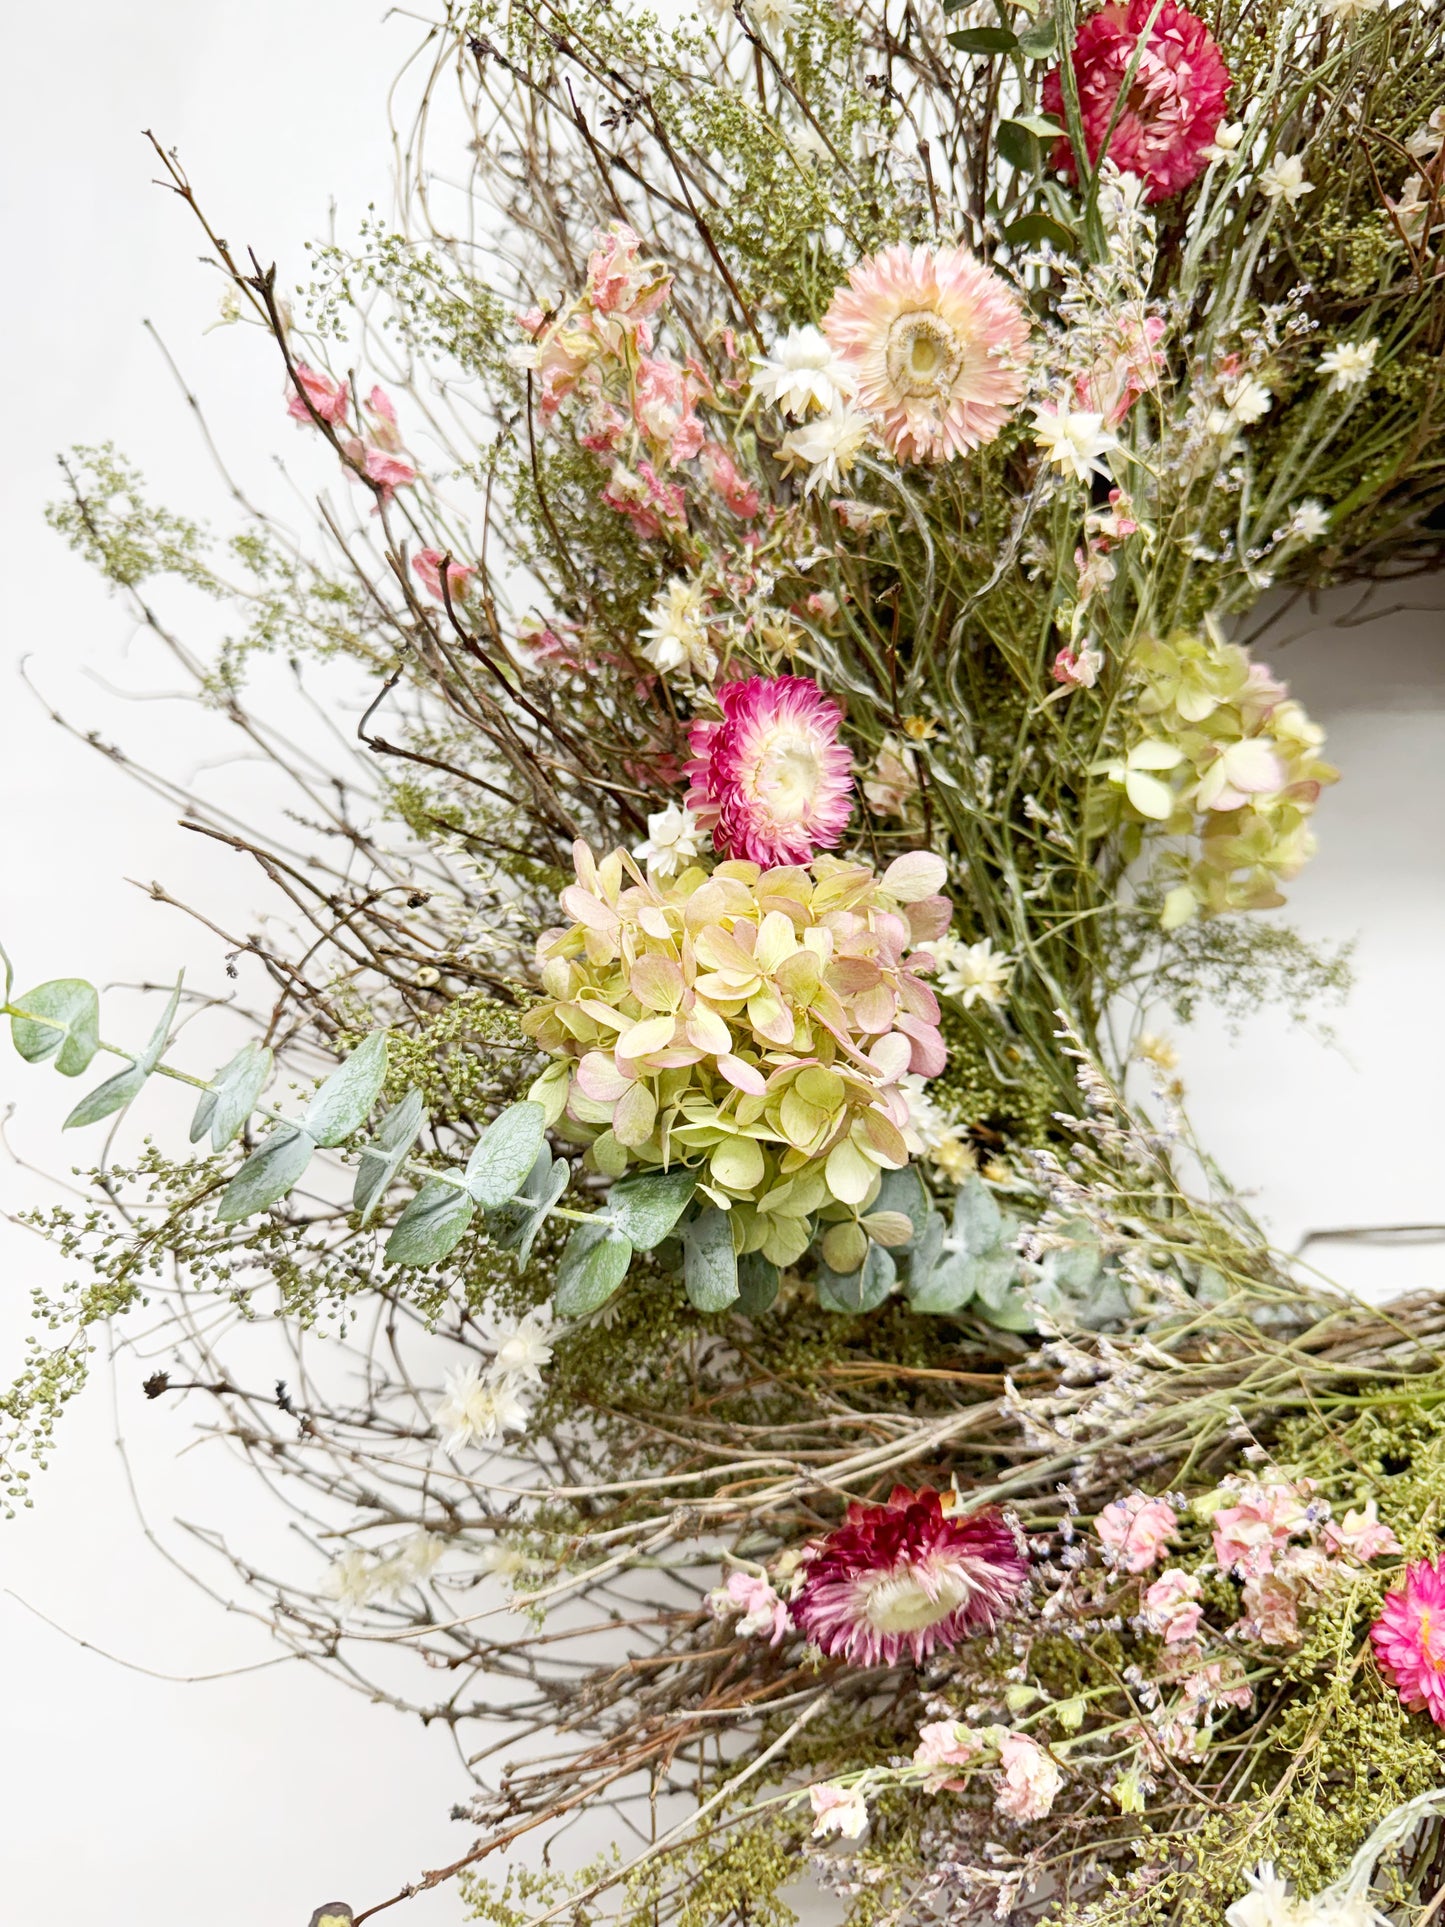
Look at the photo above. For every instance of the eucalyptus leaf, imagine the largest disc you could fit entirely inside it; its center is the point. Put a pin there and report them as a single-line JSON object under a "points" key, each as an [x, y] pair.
{"points": [[995, 1277], [645, 1207], [1012, 1313], [383, 1155], [904, 1191], [62, 1021], [113, 1095], [948, 1287], [515, 1224], [344, 1101], [977, 1220], [155, 1050], [505, 1153], [861, 1290], [709, 1262], [224, 1108], [983, 40], [593, 1265], [432, 1225], [757, 1283], [268, 1174]]}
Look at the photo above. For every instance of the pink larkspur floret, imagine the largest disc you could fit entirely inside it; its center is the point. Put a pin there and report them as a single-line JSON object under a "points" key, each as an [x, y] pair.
{"points": [[327, 397], [1135, 1529]]}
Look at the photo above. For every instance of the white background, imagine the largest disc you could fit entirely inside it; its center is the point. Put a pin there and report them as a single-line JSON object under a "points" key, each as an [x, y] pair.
{"points": [[247, 1800]]}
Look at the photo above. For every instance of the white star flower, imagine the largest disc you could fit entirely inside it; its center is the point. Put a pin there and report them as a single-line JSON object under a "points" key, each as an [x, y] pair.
{"points": [[522, 1347], [827, 447], [674, 839], [478, 1408], [971, 971], [1310, 521], [1283, 179], [1075, 440], [802, 373], [676, 639], [1349, 365]]}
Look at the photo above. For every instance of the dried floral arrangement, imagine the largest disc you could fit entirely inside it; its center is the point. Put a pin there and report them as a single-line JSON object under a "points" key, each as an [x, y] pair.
{"points": [[806, 485]]}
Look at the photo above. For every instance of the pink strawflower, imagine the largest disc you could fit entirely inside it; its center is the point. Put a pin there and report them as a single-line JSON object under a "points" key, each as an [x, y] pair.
{"points": [[936, 344], [1362, 1535], [759, 1607], [905, 1579], [771, 780], [1031, 1780], [1174, 102], [943, 1745], [735, 489], [1134, 1530], [427, 567], [329, 398], [1409, 1639], [1171, 1606]]}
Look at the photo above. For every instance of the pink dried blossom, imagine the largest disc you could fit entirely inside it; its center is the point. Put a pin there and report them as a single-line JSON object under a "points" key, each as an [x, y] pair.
{"points": [[384, 430], [722, 475], [906, 1579], [936, 344], [1271, 1610], [943, 1745], [1248, 1534], [1134, 1530], [1218, 1684], [1172, 1607], [1077, 669], [761, 1610], [330, 399], [771, 780], [1409, 1639], [649, 503], [662, 406], [620, 285], [1031, 1779], [1362, 1535], [389, 472], [838, 1809], [1127, 367], [1175, 99], [427, 567]]}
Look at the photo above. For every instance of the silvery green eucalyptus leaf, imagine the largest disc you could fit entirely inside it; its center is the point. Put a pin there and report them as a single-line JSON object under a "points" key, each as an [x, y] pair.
{"points": [[383, 1155], [904, 1191], [235, 1088], [432, 1225], [709, 1262], [861, 1290], [155, 1050], [268, 1174], [757, 1283], [62, 1021], [515, 1224], [504, 1154], [977, 1220], [113, 1095], [646, 1206], [344, 1101], [593, 1266]]}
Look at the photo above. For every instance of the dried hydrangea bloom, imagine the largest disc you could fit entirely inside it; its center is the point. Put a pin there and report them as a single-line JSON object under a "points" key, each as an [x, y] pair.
{"points": [[935, 343], [754, 1023], [1171, 107], [906, 1579]]}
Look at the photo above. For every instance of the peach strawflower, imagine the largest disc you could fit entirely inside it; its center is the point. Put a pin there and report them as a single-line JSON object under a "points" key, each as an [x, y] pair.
{"points": [[935, 343], [1409, 1639]]}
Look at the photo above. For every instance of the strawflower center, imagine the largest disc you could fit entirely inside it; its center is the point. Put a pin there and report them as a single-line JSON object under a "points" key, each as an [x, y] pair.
{"points": [[788, 777], [924, 355], [907, 1598]]}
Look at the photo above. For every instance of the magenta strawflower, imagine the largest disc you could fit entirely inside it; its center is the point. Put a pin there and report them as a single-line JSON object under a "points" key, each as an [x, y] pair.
{"points": [[1173, 104], [936, 346], [1409, 1639], [771, 780], [906, 1578]]}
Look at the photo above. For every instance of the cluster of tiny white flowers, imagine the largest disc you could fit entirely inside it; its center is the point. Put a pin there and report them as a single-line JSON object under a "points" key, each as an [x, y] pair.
{"points": [[483, 1402], [357, 1577]]}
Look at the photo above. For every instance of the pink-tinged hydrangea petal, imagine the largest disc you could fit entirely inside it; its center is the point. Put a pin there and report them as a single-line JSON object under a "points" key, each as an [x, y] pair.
{"points": [[1409, 1639], [1175, 99], [771, 780], [903, 1579]]}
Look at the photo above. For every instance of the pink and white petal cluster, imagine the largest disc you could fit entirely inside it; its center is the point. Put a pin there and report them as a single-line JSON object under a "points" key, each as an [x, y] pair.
{"points": [[760, 1612], [1171, 1606], [329, 398], [1409, 1639], [1361, 1535], [427, 567], [1031, 1779], [1249, 1534], [1163, 114], [935, 345], [943, 1747], [1135, 1529], [771, 780], [906, 1579]]}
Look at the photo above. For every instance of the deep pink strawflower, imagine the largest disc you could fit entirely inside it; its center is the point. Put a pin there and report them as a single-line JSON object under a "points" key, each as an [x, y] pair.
{"points": [[1174, 102], [771, 780], [907, 1579], [1409, 1639]]}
